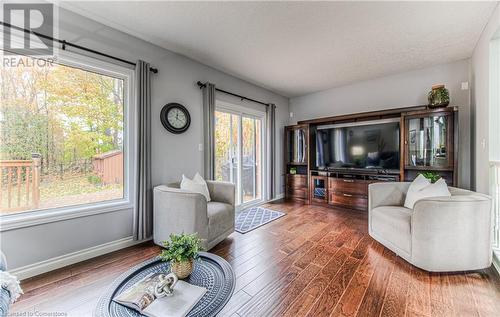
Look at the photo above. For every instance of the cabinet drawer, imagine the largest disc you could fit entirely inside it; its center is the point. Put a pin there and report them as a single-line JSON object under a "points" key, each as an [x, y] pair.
{"points": [[296, 181], [349, 186], [348, 200], [297, 193]]}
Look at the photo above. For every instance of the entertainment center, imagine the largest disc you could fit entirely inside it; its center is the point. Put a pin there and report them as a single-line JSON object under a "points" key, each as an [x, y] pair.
{"points": [[331, 161]]}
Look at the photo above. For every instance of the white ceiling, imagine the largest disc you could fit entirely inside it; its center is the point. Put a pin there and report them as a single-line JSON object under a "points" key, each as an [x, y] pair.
{"points": [[295, 48]]}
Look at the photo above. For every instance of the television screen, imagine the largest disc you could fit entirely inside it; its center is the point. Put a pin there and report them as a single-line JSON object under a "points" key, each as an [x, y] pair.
{"points": [[366, 146]]}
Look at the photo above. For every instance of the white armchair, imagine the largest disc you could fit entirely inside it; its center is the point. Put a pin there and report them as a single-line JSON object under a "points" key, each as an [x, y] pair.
{"points": [[180, 211], [438, 234]]}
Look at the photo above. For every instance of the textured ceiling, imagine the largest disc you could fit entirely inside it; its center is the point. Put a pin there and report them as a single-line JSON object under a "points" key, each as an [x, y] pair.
{"points": [[295, 48]]}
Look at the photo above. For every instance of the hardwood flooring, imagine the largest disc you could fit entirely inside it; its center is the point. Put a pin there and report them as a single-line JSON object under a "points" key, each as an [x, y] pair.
{"points": [[315, 261]]}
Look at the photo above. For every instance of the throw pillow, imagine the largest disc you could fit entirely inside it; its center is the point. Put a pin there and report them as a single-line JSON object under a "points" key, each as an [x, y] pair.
{"points": [[197, 185], [420, 189]]}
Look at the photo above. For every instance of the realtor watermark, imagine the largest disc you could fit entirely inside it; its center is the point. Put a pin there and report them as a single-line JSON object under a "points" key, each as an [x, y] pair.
{"points": [[17, 61], [28, 29], [38, 18], [37, 313]]}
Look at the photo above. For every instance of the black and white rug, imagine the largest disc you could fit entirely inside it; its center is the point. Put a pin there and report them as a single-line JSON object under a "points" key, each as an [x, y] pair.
{"points": [[254, 217]]}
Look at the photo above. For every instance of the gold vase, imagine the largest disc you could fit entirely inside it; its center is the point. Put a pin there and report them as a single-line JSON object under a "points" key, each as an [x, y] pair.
{"points": [[182, 269]]}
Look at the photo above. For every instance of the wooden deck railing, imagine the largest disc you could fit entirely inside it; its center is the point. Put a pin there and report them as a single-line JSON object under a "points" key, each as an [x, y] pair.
{"points": [[19, 184]]}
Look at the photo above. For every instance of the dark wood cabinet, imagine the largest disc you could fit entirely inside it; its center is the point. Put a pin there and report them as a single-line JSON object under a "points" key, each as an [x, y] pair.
{"points": [[319, 189], [430, 143], [343, 189], [296, 187], [297, 162], [350, 186], [348, 200]]}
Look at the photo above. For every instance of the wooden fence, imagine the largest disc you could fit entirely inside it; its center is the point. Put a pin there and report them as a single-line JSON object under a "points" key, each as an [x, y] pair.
{"points": [[20, 184], [109, 167]]}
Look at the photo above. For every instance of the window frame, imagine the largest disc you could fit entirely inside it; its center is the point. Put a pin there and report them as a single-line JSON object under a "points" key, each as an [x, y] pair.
{"points": [[43, 216], [494, 147], [252, 113]]}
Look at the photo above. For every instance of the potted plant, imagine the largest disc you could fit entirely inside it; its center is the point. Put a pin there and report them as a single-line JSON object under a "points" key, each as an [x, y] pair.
{"points": [[432, 176], [181, 250], [438, 97]]}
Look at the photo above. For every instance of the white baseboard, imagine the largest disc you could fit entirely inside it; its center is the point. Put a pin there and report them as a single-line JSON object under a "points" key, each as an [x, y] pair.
{"points": [[41, 267]]}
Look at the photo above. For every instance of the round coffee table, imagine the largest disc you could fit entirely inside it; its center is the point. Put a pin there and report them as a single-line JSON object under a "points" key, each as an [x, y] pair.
{"points": [[210, 271]]}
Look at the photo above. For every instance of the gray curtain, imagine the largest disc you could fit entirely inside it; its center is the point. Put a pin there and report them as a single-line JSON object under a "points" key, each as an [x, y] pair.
{"points": [[271, 132], [209, 130], [143, 216]]}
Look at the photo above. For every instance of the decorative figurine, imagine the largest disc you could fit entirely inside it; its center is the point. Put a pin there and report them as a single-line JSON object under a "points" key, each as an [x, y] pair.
{"points": [[166, 285]]}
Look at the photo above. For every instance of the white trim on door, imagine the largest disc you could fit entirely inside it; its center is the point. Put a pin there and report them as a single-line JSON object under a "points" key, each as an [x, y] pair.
{"points": [[244, 112]]}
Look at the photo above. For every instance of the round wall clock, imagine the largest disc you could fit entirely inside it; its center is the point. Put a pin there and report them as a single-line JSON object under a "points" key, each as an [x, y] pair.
{"points": [[175, 118]]}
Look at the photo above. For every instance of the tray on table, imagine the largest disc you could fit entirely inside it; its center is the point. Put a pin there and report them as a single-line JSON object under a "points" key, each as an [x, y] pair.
{"points": [[210, 271]]}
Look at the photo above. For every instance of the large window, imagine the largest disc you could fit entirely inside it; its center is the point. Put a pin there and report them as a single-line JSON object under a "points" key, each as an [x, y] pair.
{"points": [[63, 135]]}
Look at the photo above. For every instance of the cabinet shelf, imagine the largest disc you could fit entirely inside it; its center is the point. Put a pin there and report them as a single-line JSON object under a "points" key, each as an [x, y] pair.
{"points": [[297, 164], [428, 168]]}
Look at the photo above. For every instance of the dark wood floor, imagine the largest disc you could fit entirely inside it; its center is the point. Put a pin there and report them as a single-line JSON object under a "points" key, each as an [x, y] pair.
{"points": [[313, 262]]}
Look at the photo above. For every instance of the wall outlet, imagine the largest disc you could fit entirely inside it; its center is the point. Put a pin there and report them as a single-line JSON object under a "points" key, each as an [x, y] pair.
{"points": [[465, 85], [200, 147], [291, 114]]}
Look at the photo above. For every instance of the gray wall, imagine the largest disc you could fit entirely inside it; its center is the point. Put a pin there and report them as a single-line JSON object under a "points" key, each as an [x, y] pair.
{"points": [[480, 68], [396, 91], [172, 155]]}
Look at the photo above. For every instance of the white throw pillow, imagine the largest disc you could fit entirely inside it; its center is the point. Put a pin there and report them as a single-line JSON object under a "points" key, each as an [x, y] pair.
{"points": [[422, 188], [197, 185], [419, 183]]}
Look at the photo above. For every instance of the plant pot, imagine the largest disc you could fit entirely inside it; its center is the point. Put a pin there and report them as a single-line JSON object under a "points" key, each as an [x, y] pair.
{"points": [[438, 97], [182, 269]]}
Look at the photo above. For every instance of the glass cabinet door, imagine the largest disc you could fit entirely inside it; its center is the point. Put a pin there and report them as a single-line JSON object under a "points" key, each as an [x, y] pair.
{"points": [[296, 139], [427, 141], [319, 188]]}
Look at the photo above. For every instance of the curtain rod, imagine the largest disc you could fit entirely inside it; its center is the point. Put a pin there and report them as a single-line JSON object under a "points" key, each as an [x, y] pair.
{"points": [[65, 43], [201, 85]]}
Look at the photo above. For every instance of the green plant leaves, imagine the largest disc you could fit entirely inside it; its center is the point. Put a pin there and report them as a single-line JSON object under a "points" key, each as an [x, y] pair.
{"points": [[182, 247]]}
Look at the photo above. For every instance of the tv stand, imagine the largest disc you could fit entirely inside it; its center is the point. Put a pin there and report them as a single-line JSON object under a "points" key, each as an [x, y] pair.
{"points": [[345, 188], [428, 143]]}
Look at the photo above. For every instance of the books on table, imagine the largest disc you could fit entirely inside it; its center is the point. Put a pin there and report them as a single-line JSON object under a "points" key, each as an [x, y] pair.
{"points": [[141, 297]]}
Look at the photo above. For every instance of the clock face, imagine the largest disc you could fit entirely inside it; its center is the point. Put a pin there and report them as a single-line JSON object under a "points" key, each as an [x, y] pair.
{"points": [[175, 118]]}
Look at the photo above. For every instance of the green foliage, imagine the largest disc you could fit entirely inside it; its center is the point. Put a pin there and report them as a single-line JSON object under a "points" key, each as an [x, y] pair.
{"points": [[66, 114], [438, 97], [433, 176], [94, 179], [182, 247]]}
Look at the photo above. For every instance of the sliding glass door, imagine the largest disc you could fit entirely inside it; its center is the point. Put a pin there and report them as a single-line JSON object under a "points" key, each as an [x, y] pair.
{"points": [[239, 153]]}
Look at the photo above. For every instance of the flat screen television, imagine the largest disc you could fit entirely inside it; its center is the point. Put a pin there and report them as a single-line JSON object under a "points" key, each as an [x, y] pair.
{"points": [[363, 145]]}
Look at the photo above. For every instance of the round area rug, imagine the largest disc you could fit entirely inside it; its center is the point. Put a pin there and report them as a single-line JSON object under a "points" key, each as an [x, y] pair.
{"points": [[210, 271]]}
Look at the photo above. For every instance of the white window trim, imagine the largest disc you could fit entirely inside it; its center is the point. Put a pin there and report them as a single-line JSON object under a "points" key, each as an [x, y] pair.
{"points": [[261, 115], [43, 216], [494, 147]]}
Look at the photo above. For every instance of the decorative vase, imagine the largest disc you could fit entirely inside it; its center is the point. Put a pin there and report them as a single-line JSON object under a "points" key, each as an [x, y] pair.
{"points": [[438, 97], [182, 269]]}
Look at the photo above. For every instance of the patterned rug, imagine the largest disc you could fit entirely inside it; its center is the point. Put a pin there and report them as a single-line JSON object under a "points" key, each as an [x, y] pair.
{"points": [[254, 217]]}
